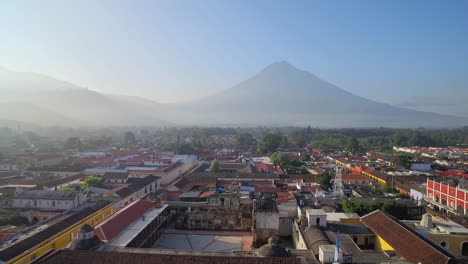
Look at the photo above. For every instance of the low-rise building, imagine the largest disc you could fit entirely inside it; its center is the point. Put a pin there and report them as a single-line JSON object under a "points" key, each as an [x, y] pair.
{"points": [[394, 236], [115, 178], [48, 200], [39, 160], [355, 178]]}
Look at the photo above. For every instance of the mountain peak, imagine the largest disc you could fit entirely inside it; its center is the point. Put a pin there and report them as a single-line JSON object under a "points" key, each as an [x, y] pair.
{"points": [[279, 65]]}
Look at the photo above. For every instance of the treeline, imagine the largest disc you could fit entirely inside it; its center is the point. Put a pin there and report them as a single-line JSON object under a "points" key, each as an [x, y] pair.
{"points": [[381, 139], [364, 207]]}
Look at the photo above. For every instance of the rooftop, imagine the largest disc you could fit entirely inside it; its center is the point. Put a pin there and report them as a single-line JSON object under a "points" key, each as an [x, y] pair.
{"points": [[115, 175], [26, 244], [46, 195], [127, 235], [406, 242], [111, 227]]}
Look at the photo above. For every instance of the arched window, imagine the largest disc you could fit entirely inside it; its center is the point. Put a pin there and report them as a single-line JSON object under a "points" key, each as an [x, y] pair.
{"points": [[464, 250]]}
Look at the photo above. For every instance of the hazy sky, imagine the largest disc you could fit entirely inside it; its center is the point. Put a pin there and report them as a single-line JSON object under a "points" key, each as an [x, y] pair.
{"points": [[176, 50]]}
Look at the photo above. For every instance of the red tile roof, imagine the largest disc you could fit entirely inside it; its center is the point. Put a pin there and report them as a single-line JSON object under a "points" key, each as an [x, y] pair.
{"points": [[117, 223], [406, 242], [284, 197], [354, 176], [279, 170], [261, 167]]}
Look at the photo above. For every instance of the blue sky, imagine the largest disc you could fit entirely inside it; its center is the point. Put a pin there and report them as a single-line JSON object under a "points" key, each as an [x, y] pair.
{"points": [[176, 50]]}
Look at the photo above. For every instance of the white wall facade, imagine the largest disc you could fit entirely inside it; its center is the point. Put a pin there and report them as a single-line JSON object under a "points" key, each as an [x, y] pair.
{"points": [[49, 204]]}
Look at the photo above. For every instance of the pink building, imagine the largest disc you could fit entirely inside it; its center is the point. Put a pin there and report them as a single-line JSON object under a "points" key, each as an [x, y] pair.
{"points": [[446, 197]]}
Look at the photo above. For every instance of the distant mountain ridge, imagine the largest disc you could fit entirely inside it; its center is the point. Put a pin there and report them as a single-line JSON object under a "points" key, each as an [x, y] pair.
{"points": [[280, 94], [28, 96]]}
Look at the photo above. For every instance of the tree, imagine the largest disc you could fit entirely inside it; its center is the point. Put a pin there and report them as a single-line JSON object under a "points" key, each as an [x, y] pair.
{"points": [[324, 180], [214, 166], [73, 143], [364, 207], [352, 145], [92, 182], [403, 160], [243, 140], [129, 138], [305, 157], [271, 141], [185, 149], [281, 159]]}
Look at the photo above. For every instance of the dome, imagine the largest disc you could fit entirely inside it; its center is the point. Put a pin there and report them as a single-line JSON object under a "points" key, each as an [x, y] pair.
{"points": [[86, 239], [86, 229], [272, 249]]}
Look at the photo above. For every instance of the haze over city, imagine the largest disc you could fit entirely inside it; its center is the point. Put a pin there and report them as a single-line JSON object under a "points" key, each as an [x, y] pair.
{"points": [[233, 132]]}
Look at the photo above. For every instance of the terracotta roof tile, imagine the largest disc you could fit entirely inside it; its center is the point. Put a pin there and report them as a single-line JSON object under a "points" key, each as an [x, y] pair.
{"points": [[406, 242], [112, 226]]}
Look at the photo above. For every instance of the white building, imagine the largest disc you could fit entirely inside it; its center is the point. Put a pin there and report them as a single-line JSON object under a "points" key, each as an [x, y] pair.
{"points": [[327, 254], [48, 200], [316, 217]]}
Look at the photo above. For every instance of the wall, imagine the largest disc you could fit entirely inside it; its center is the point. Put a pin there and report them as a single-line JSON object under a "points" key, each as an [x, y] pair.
{"points": [[266, 224], [382, 245], [49, 204], [289, 209], [285, 227], [329, 256], [313, 220], [299, 242], [416, 195], [454, 242], [138, 194], [266, 220]]}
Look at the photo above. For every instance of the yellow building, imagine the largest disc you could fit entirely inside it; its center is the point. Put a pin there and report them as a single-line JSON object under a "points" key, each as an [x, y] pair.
{"points": [[407, 242], [447, 234], [56, 236]]}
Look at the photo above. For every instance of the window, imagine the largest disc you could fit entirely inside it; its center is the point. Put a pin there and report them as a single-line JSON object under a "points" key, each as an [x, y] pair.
{"points": [[53, 203], [465, 248], [444, 244]]}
